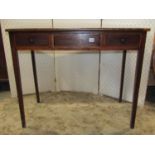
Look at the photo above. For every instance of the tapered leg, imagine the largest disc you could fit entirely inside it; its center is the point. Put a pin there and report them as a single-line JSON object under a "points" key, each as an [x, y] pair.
{"points": [[138, 72], [35, 76], [99, 71], [122, 75], [18, 84]]}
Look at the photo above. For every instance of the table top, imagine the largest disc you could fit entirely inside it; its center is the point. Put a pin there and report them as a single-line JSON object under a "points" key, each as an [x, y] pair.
{"points": [[75, 29]]}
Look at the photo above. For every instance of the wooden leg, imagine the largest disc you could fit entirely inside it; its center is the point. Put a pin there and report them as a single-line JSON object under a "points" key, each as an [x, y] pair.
{"points": [[18, 85], [99, 71], [122, 75], [35, 76], [138, 72]]}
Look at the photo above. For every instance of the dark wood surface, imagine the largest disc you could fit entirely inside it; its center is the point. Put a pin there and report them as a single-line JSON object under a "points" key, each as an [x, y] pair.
{"points": [[18, 81], [122, 75], [121, 40], [138, 72], [77, 29], [66, 39], [81, 39], [35, 75], [33, 40]]}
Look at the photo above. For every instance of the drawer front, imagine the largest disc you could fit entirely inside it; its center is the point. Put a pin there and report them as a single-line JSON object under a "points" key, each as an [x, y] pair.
{"points": [[33, 40], [121, 40], [68, 40]]}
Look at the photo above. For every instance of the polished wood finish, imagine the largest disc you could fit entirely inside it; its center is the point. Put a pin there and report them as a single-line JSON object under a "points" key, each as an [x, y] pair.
{"points": [[99, 71], [138, 72], [121, 40], [77, 40], [35, 76], [18, 81], [32, 40], [81, 39], [78, 29], [122, 75]]}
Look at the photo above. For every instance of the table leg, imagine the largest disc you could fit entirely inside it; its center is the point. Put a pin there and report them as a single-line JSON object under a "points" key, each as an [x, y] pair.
{"points": [[139, 64], [99, 72], [122, 75], [18, 85], [35, 76]]}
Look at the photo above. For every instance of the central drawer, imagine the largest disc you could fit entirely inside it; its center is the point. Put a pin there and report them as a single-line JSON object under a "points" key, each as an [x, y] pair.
{"points": [[121, 40], [80, 40], [34, 40]]}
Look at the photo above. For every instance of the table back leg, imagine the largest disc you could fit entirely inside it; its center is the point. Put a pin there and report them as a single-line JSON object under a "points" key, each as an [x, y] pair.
{"points": [[35, 76], [122, 75]]}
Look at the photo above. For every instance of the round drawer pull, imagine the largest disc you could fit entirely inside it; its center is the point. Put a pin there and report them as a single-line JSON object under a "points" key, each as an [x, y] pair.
{"points": [[123, 40], [31, 41]]}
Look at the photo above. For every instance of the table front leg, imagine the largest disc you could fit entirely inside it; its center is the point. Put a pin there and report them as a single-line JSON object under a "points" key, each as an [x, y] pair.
{"points": [[18, 84], [138, 72]]}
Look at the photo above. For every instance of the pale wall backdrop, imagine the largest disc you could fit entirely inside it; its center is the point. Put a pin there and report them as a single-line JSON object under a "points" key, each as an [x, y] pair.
{"points": [[74, 71]]}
